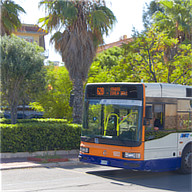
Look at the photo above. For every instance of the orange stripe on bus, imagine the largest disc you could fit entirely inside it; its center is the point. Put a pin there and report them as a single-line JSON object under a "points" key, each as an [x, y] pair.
{"points": [[111, 151]]}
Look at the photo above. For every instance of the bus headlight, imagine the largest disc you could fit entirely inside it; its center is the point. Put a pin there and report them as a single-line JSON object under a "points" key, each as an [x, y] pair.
{"points": [[84, 149], [131, 155]]}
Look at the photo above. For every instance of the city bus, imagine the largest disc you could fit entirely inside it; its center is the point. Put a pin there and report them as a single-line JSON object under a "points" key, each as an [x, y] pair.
{"points": [[138, 126]]}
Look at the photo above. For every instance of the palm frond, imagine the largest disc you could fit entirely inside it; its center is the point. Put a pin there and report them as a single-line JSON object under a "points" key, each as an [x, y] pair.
{"points": [[10, 16], [59, 13]]}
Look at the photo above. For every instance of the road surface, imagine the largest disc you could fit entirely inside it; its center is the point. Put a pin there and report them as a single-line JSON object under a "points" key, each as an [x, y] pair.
{"points": [[92, 178]]}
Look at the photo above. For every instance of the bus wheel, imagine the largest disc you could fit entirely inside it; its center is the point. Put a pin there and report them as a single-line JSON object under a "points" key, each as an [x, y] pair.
{"points": [[186, 160]]}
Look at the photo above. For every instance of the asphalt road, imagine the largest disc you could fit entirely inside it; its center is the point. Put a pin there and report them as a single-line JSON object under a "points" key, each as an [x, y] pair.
{"points": [[92, 178]]}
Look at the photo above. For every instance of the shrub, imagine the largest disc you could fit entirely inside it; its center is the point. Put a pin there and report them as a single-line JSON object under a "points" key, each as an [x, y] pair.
{"points": [[50, 120], [40, 136]]}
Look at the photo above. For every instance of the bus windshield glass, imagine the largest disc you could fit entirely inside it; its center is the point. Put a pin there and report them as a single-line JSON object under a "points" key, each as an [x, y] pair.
{"points": [[112, 121]]}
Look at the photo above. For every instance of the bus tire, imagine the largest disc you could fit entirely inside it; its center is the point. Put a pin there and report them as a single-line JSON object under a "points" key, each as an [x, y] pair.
{"points": [[186, 160]]}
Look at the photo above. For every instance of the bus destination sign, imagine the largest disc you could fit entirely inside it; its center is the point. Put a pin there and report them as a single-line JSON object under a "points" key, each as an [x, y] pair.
{"points": [[112, 91]]}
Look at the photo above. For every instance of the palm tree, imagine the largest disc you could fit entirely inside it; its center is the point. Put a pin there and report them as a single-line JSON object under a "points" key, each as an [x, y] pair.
{"points": [[9, 16], [148, 12], [176, 18], [80, 26]]}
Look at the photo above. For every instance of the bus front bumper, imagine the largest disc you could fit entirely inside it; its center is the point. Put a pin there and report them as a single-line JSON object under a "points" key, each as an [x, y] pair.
{"points": [[111, 162], [149, 165]]}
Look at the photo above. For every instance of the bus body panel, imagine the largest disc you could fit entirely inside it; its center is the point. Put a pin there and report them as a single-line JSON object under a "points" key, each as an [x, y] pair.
{"points": [[183, 140], [165, 147]]}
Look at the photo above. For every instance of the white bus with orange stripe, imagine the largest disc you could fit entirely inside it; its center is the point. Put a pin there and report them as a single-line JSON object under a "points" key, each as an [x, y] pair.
{"points": [[140, 126]]}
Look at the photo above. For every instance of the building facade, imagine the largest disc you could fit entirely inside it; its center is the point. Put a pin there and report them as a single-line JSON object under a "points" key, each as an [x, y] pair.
{"points": [[32, 33], [122, 40]]}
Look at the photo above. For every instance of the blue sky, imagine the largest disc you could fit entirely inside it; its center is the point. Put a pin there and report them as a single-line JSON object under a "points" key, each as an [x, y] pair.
{"points": [[127, 12]]}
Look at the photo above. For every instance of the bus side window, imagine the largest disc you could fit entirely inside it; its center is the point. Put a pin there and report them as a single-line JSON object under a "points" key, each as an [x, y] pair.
{"points": [[149, 121], [184, 117], [171, 116]]}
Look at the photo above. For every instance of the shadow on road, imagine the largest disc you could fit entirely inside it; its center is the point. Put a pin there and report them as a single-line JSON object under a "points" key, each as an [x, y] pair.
{"points": [[79, 166], [170, 181]]}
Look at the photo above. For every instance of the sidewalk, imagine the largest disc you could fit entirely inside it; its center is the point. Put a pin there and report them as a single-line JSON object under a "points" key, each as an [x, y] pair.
{"points": [[24, 162]]}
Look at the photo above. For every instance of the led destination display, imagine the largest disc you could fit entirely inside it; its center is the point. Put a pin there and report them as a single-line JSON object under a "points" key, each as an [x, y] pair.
{"points": [[112, 91]]}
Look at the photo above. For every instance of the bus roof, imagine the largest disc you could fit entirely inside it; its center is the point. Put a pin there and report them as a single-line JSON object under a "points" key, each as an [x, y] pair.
{"points": [[167, 90]]}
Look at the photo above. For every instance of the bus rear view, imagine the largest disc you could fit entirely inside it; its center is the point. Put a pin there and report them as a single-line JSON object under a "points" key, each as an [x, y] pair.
{"points": [[113, 132]]}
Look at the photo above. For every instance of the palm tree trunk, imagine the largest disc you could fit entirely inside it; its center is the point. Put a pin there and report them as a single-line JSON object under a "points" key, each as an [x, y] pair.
{"points": [[78, 99]]}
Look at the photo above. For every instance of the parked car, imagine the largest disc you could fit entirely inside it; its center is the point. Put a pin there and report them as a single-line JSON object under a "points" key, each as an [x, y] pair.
{"points": [[19, 116], [7, 116], [35, 116]]}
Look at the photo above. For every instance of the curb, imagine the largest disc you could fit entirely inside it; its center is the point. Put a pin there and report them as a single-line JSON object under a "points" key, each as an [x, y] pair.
{"points": [[38, 153], [48, 160], [29, 165]]}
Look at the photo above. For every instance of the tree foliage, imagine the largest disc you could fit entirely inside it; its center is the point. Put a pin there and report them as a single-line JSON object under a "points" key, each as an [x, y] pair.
{"points": [[54, 100], [172, 24], [149, 11], [147, 56], [145, 59], [103, 65], [176, 19], [21, 70], [109, 58]]}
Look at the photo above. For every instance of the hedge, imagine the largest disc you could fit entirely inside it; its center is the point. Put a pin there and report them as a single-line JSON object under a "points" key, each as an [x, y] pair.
{"points": [[50, 120], [39, 136]]}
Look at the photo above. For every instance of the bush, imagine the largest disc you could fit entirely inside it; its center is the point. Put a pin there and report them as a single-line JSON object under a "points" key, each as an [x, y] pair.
{"points": [[50, 120], [40, 136]]}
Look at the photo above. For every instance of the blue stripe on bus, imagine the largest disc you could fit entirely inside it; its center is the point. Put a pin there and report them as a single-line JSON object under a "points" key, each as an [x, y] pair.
{"points": [[155, 165]]}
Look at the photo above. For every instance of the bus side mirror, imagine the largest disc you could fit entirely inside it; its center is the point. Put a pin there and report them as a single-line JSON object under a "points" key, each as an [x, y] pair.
{"points": [[148, 112]]}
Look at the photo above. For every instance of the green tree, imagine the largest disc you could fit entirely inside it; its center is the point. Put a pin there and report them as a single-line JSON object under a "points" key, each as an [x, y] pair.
{"points": [[80, 27], [173, 18], [31, 89], [54, 100], [109, 57], [103, 64], [99, 74], [176, 19], [20, 63], [9, 16], [146, 58], [163, 52]]}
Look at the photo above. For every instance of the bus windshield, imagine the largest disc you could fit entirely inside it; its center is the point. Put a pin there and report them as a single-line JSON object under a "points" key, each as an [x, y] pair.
{"points": [[110, 121]]}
